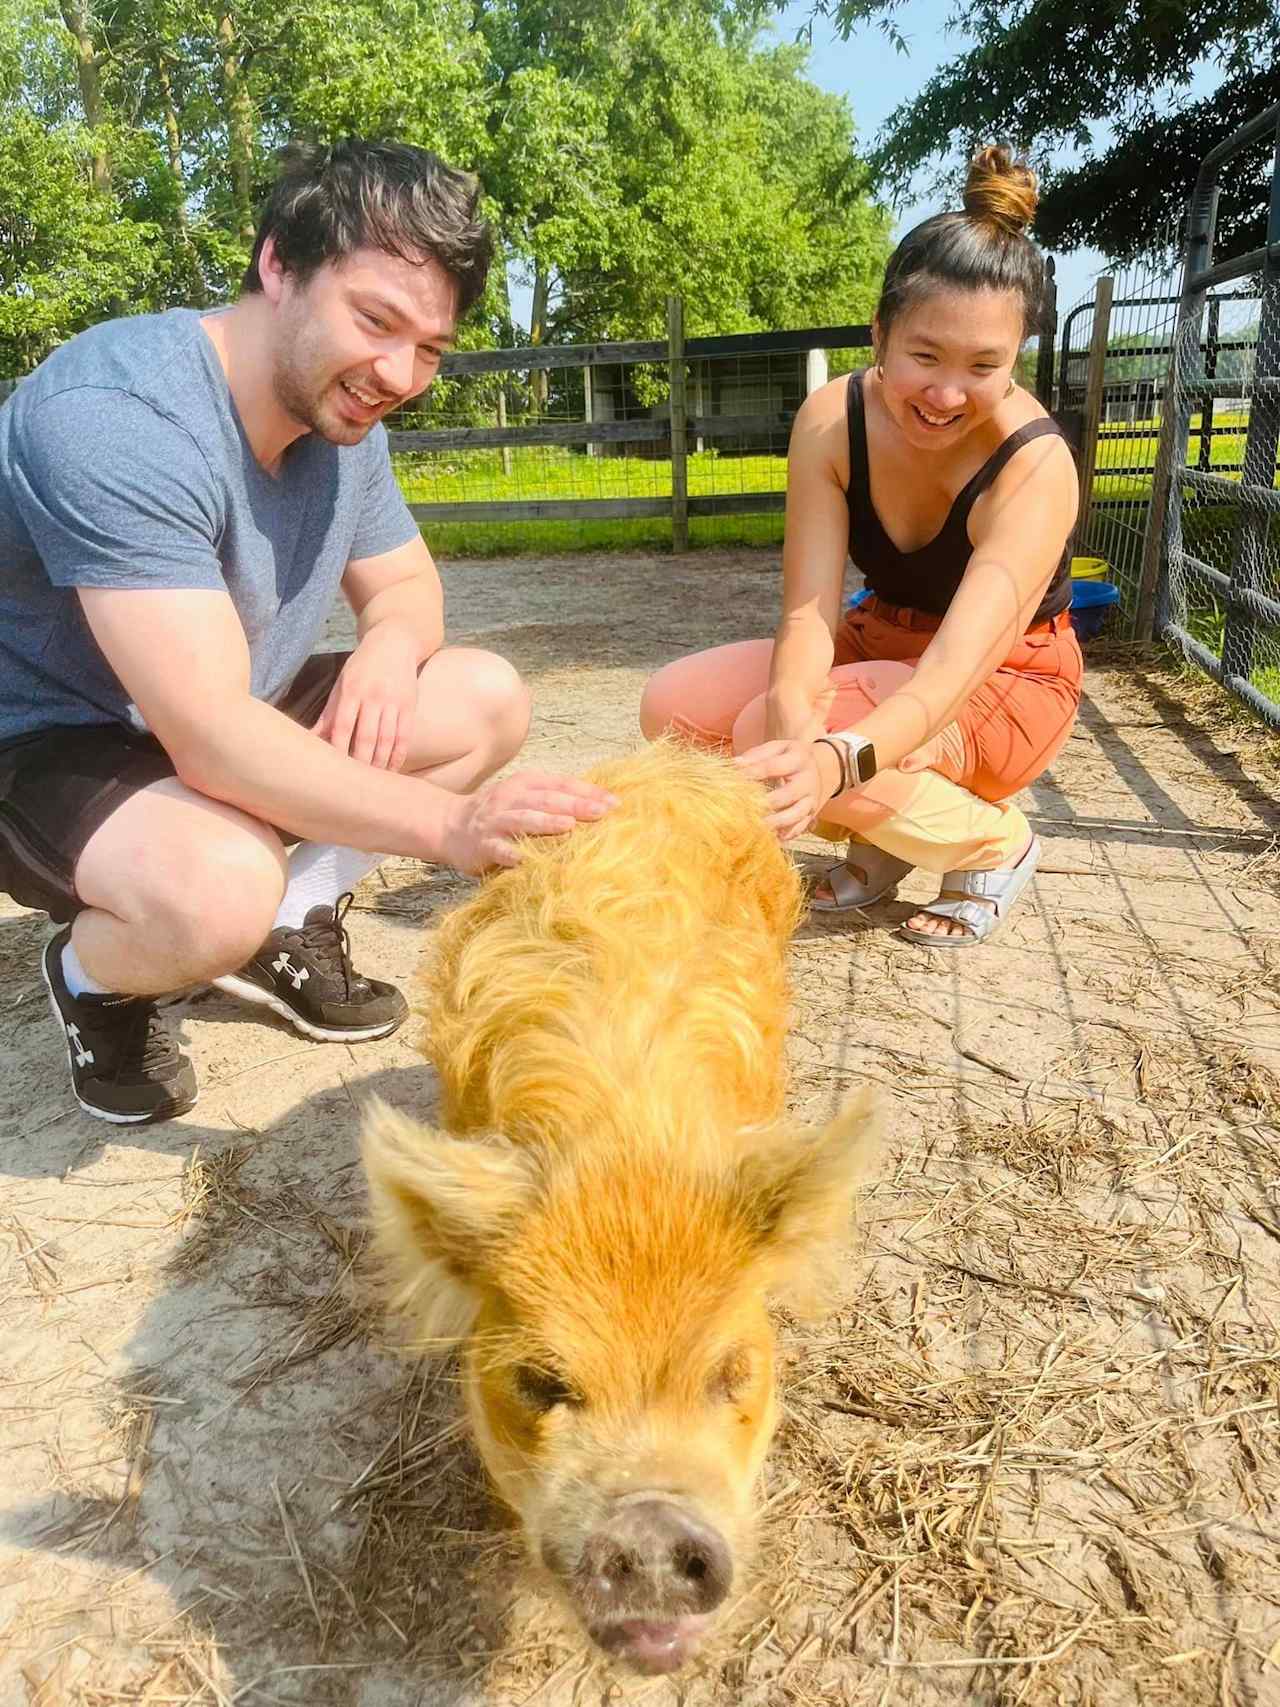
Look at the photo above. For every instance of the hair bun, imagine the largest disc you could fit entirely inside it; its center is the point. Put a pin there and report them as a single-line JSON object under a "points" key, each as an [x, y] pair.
{"points": [[1001, 190]]}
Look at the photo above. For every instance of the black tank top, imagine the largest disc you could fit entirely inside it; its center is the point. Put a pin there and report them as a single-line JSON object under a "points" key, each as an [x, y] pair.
{"points": [[927, 579]]}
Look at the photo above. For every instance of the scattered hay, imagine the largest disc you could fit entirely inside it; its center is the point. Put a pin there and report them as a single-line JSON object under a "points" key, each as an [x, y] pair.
{"points": [[212, 1201]]}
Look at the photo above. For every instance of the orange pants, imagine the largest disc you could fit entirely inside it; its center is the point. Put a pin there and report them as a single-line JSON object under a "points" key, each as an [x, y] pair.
{"points": [[953, 816]]}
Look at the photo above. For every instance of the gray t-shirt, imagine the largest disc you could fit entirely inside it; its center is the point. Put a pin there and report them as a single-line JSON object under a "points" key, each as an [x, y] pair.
{"points": [[123, 463]]}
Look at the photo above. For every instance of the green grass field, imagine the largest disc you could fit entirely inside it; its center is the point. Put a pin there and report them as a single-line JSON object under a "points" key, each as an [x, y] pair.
{"points": [[548, 472], [1113, 451]]}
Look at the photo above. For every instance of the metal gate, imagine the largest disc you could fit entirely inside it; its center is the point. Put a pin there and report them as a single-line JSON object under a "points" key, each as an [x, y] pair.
{"points": [[1211, 573]]}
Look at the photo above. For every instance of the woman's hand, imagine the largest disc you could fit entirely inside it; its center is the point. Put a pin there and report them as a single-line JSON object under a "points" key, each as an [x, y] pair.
{"points": [[800, 777], [795, 714]]}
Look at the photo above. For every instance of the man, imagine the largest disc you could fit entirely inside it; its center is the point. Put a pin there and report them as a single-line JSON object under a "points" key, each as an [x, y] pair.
{"points": [[180, 498]]}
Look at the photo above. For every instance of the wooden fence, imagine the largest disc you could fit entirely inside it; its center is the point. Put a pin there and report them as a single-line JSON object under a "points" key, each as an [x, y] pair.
{"points": [[674, 428]]}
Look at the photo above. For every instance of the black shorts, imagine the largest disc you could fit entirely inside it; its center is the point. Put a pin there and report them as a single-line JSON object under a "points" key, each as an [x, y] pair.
{"points": [[60, 785]]}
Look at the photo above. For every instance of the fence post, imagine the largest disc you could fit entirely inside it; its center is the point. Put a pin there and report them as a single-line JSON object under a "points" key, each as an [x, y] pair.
{"points": [[588, 406], [679, 425], [1093, 400], [1175, 417], [502, 421], [1048, 331], [1205, 459]]}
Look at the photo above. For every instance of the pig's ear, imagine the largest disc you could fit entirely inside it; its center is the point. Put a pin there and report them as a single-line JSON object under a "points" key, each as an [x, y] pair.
{"points": [[796, 1194], [440, 1207]]}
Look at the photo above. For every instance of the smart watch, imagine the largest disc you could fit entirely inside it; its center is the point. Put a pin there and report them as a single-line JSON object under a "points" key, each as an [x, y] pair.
{"points": [[857, 758]]}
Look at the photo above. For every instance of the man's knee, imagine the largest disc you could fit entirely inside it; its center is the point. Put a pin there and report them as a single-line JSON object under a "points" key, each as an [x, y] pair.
{"points": [[492, 704], [214, 898], [505, 704]]}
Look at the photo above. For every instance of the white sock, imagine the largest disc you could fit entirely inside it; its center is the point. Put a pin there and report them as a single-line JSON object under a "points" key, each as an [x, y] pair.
{"points": [[318, 873], [77, 979]]}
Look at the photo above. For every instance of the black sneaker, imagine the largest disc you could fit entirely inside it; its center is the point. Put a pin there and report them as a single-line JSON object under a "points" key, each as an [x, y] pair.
{"points": [[305, 976], [125, 1064]]}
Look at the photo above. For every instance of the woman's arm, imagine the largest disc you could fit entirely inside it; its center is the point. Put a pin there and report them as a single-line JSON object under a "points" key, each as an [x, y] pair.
{"points": [[1019, 531], [813, 559], [1018, 534]]}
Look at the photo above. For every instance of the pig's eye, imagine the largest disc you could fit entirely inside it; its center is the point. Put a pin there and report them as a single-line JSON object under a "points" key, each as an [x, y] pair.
{"points": [[731, 1375], [542, 1389]]}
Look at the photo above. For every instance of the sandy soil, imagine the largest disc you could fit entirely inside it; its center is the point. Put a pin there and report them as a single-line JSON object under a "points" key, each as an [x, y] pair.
{"points": [[1033, 1455]]}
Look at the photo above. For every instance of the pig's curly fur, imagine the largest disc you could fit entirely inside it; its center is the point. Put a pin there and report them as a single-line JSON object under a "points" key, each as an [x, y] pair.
{"points": [[641, 955], [612, 1014]]}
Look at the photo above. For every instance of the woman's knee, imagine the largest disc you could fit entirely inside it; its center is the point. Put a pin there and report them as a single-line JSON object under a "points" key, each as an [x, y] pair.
{"points": [[701, 696], [861, 687], [660, 701]]}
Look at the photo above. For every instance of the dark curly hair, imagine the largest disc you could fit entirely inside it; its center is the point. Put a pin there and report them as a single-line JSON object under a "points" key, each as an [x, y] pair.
{"points": [[328, 202]]}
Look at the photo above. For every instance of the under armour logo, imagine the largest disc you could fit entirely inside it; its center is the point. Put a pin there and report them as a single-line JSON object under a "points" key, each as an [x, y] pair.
{"points": [[84, 1057], [297, 975]]}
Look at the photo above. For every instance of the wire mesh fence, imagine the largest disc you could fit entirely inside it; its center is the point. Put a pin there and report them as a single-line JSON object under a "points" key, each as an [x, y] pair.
{"points": [[1224, 545], [493, 460], [1214, 389], [1122, 345], [1218, 598]]}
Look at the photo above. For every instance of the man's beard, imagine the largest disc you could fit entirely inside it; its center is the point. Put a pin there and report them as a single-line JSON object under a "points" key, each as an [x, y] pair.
{"points": [[304, 398]]}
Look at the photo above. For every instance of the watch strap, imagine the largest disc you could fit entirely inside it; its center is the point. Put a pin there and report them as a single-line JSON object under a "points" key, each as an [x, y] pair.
{"points": [[841, 751]]}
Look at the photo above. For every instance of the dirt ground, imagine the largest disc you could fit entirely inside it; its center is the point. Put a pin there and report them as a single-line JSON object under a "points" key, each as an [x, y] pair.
{"points": [[1033, 1455]]}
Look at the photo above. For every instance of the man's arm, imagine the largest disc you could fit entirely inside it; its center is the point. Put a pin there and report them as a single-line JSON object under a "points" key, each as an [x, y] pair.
{"points": [[183, 659], [401, 589]]}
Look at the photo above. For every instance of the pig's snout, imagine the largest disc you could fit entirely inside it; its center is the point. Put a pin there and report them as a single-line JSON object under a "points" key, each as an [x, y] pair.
{"points": [[654, 1557], [646, 1581]]}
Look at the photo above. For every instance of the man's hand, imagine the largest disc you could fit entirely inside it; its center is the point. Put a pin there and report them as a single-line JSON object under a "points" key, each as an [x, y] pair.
{"points": [[482, 829], [800, 778], [371, 710]]}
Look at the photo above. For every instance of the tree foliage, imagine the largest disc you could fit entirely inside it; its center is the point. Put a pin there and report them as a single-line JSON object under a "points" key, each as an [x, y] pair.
{"points": [[1045, 74], [627, 147]]}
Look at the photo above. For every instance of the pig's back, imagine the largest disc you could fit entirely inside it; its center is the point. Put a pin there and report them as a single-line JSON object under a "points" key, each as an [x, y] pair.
{"points": [[643, 958]]}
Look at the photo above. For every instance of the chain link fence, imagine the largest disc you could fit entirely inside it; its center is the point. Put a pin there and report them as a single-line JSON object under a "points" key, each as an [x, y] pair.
{"points": [[1224, 541], [1120, 425], [1212, 569]]}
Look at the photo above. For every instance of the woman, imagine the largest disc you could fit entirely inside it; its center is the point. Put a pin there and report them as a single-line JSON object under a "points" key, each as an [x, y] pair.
{"points": [[909, 723]]}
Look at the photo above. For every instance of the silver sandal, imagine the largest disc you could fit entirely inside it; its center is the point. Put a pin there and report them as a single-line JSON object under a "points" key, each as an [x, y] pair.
{"points": [[1000, 887], [848, 893]]}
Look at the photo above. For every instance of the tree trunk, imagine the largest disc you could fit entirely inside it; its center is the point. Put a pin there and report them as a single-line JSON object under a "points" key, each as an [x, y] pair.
{"points": [[173, 148], [240, 133], [76, 17], [537, 333]]}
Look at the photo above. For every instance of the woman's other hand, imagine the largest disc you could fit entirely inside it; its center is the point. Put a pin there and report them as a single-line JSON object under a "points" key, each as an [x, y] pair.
{"points": [[800, 776]]}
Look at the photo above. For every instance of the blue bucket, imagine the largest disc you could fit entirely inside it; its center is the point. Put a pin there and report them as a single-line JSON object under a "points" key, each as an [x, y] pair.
{"points": [[1091, 603]]}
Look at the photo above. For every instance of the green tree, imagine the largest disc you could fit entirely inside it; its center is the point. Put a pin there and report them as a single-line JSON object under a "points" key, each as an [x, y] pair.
{"points": [[628, 148], [710, 167], [1045, 73]]}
